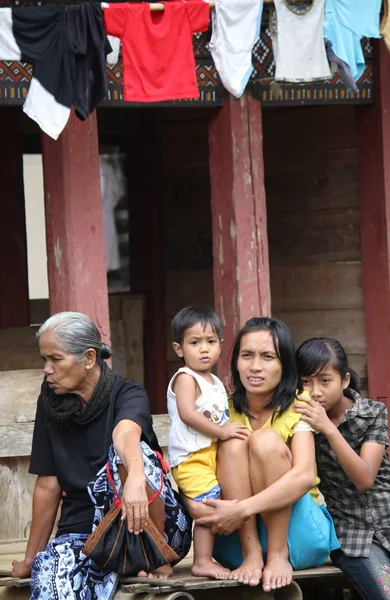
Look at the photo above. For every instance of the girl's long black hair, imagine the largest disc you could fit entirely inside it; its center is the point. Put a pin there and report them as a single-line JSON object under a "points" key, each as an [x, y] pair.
{"points": [[316, 355], [285, 351]]}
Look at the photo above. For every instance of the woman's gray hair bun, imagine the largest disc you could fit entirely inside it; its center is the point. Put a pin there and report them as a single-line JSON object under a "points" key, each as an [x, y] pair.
{"points": [[105, 351], [76, 333]]}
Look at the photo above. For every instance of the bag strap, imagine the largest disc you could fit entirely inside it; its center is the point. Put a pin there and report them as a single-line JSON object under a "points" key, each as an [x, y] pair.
{"points": [[164, 469], [117, 498]]}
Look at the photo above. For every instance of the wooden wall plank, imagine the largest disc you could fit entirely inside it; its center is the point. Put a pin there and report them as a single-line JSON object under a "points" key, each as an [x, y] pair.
{"points": [[19, 391], [16, 439], [184, 288], [319, 286], [9, 514], [309, 130], [312, 181], [303, 237], [345, 325], [26, 483]]}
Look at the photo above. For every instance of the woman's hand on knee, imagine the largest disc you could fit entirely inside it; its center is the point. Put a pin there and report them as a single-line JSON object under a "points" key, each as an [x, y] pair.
{"points": [[227, 517], [135, 507], [21, 569]]}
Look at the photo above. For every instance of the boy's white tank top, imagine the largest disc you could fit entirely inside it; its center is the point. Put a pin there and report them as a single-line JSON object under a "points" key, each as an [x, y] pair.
{"points": [[212, 403]]}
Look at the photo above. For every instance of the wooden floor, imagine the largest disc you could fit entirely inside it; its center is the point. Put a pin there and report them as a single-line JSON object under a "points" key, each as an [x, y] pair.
{"points": [[181, 580]]}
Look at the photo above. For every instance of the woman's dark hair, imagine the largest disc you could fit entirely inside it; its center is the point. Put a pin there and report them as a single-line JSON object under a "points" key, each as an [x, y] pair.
{"points": [[285, 351], [315, 356], [190, 316]]}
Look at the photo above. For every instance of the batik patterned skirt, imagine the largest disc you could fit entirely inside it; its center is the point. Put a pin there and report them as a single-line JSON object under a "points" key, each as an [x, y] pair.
{"points": [[63, 572]]}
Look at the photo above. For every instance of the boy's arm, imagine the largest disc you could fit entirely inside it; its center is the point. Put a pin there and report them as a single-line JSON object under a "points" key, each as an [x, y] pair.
{"points": [[186, 390]]}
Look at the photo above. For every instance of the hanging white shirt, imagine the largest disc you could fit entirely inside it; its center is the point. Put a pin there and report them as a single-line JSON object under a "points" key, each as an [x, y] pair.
{"points": [[298, 43], [236, 29]]}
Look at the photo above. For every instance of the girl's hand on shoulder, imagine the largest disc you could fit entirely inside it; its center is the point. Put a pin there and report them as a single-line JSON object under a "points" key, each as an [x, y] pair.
{"points": [[314, 414], [135, 507]]}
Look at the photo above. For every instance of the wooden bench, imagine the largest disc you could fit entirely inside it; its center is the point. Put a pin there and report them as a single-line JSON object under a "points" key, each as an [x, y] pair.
{"points": [[182, 586]]}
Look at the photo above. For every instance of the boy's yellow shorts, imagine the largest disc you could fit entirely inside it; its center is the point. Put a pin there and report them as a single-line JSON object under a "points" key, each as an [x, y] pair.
{"points": [[196, 477]]}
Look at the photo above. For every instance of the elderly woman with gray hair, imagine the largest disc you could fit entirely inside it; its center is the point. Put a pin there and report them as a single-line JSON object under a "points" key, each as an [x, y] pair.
{"points": [[83, 409]]}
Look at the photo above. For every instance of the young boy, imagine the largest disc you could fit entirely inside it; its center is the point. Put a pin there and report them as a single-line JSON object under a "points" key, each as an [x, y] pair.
{"points": [[198, 408]]}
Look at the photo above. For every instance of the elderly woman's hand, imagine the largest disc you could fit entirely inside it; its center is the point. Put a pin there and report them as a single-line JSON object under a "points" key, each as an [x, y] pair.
{"points": [[135, 508], [21, 569], [227, 517]]}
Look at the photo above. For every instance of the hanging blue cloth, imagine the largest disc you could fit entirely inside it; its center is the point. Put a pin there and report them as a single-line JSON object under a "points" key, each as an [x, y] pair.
{"points": [[346, 23]]}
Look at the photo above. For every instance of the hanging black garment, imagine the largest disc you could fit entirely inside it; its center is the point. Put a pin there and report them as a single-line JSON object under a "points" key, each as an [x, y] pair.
{"points": [[67, 47]]}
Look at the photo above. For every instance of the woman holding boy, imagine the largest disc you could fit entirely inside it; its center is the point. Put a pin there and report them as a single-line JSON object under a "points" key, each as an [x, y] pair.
{"points": [[268, 470]]}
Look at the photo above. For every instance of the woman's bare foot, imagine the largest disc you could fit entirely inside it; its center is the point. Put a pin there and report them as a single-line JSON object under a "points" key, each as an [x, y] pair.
{"points": [[277, 572], [250, 571], [209, 568], [161, 573]]}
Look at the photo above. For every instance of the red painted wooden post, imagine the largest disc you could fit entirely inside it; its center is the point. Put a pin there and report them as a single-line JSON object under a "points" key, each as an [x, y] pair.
{"points": [[14, 298], [74, 223], [373, 143], [147, 260], [239, 218]]}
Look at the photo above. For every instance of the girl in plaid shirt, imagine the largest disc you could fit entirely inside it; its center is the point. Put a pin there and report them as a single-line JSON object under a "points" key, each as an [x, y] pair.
{"points": [[352, 463]]}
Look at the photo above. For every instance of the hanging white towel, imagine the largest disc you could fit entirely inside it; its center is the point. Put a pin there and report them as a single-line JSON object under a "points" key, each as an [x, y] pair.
{"points": [[298, 43], [236, 29]]}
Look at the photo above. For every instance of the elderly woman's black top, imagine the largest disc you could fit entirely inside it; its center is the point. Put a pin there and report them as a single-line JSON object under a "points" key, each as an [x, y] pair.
{"points": [[75, 456]]}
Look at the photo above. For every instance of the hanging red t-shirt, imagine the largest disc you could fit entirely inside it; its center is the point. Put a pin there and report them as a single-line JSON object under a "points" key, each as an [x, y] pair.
{"points": [[158, 58]]}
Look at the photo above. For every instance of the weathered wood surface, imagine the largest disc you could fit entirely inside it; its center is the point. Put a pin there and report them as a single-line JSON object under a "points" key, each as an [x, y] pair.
{"points": [[184, 288], [347, 325], [373, 134], [16, 487], [239, 217], [314, 181], [314, 226], [182, 578], [127, 314], [19, 391], [322, 286], [74, 222], [332, 235], [19, 349]]}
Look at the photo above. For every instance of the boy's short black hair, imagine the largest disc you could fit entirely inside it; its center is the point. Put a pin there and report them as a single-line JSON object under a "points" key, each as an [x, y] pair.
{"points": [[190, 316]]}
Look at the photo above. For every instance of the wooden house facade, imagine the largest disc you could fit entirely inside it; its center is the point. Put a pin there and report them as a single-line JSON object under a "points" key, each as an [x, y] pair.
{"points": [[275, 203]]}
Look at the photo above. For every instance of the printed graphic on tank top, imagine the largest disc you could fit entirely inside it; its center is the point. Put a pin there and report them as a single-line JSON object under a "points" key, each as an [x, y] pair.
{"points": [[211, 403]]}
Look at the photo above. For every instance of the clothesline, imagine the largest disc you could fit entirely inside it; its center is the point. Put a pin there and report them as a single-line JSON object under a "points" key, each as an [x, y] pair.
{"points": [[159, 6]]}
